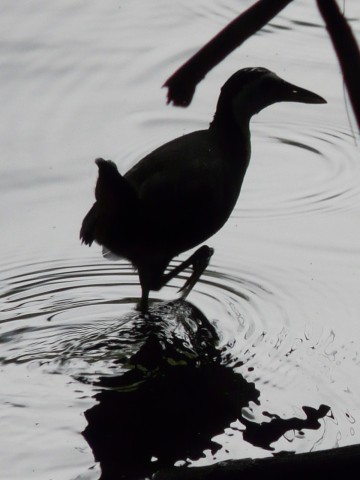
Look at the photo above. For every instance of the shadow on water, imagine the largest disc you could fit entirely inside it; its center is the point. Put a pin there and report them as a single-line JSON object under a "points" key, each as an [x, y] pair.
{"points": [[174, 398]]}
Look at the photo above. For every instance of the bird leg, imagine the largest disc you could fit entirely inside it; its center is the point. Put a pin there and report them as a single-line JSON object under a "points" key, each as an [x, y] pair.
{"points": [[199, 261], [144, 302]]}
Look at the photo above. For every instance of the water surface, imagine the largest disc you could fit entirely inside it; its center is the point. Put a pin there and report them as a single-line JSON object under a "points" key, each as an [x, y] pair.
{"points": [[279, 300]]}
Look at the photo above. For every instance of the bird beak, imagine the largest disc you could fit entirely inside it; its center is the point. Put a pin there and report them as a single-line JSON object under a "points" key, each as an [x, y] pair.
{"points": [[292, 93]]}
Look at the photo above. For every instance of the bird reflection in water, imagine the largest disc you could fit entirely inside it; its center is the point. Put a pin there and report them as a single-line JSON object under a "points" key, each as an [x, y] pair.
{"points": [[183, 192], [175, 397]]}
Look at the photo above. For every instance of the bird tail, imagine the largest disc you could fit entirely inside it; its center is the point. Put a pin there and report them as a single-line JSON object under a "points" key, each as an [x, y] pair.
{"points": [[112, 189], [109, 255], [115, 209], [88, 226]]}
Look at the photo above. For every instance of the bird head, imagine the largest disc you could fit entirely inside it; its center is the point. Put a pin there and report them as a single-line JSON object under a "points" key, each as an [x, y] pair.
{"points": [[250, 90]]}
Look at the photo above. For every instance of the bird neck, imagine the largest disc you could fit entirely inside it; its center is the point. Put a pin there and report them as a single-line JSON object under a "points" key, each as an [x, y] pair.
{"points": [[233, 133]]}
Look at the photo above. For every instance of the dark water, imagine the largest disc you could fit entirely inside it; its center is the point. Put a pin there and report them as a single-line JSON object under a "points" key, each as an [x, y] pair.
{"points": [[267, 351]]}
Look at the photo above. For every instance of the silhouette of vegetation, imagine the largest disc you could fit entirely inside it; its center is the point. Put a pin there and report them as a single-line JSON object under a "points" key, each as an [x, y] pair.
{"points": [[181, 85]]}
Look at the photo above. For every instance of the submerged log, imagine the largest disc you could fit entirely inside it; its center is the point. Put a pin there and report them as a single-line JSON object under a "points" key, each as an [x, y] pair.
{"points": [[329, 464]]}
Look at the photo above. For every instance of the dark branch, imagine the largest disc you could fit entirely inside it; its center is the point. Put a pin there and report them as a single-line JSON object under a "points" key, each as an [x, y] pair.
{"points": [[346, 49], [183, 82]]}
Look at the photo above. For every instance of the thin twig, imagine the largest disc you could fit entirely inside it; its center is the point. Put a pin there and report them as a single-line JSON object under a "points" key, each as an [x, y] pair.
{"points": [[346, 48], [183, 82]]}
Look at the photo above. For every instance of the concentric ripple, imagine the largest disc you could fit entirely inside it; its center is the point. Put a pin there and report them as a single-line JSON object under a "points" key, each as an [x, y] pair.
{"points": [[302, 171], [50, 307], [258, 317], [70, 318]]}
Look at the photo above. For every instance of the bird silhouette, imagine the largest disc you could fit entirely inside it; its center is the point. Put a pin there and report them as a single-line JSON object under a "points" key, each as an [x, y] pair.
{"points": [[183, 192]]}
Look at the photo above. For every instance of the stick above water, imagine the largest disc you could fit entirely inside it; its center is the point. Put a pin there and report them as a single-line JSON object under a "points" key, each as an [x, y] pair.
{"points": [[183, 82]]}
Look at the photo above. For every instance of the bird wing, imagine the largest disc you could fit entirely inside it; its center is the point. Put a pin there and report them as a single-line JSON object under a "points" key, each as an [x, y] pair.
{"points": [[180, 187]]}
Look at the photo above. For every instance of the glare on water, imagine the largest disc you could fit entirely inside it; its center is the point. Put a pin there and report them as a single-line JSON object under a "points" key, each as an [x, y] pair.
{"points": [[82, 80]]}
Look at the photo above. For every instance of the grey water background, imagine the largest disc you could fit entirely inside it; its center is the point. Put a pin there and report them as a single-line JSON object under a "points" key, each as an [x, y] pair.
{"points": [[80, 80]]}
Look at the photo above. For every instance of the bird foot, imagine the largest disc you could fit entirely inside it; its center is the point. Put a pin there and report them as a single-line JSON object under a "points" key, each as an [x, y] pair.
{"points": [[199, 261]]}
